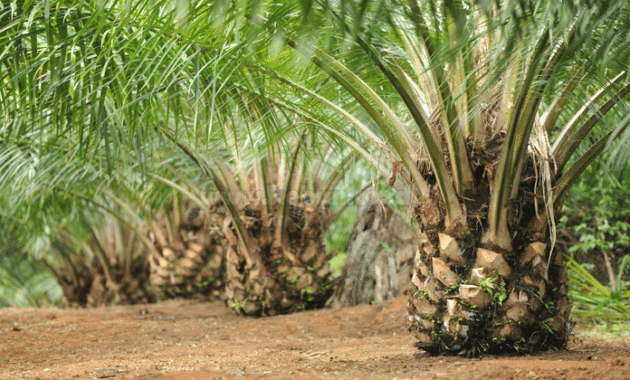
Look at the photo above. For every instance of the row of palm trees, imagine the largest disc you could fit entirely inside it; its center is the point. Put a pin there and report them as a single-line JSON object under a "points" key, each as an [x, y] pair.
{"points": [[481, 114]]}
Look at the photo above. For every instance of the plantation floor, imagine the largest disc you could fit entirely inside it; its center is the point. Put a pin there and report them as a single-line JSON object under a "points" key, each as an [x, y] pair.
{"points": [[192, 340]]}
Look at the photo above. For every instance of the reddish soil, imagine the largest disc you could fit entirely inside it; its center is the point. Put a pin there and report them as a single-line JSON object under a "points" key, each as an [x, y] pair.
{"points": [[193, 340]]}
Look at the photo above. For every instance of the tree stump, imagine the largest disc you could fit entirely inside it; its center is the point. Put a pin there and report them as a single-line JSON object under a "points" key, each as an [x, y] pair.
{"points": [[380, 255]]}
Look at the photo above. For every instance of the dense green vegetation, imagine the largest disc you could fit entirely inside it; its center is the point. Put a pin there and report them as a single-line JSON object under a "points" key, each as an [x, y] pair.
{"points": [[24, 282], [596, 212]]}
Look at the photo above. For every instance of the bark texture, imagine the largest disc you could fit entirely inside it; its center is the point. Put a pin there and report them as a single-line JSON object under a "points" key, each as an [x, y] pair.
{"points": [[380, 255], [470, 298], [275, 276], [190, 255]]}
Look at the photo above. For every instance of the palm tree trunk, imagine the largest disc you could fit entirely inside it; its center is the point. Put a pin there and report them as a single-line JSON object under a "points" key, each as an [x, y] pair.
{"points": [[278, 276], [190, 251], [470, 297]]}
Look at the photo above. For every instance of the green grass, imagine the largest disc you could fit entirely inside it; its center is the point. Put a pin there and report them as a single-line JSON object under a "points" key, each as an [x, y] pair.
{"points": [[605, 330]]}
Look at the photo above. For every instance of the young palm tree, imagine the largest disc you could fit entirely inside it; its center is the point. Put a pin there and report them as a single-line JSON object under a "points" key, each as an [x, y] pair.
{"points": [[83, 89], [275, 214]]}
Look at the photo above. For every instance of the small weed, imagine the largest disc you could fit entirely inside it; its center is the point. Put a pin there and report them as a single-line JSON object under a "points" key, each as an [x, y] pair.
{"points": [[236, 305], [545, 326], [549, 306], [498, 292], [205, 284], [517, 344], [452, 288]]}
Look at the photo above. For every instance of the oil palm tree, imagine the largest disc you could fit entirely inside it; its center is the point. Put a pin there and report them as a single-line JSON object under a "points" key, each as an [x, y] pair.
{"points": [[481, 110], [111, 95], [275, 211], [107, 268], [476, 111], [79, 109]]}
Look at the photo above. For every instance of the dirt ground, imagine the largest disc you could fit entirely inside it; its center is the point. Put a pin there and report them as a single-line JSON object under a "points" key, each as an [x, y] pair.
{"points": [[185, 340]]}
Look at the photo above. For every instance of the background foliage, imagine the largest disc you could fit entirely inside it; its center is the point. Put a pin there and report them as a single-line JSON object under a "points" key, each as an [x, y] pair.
{"points": [[597, 221]]}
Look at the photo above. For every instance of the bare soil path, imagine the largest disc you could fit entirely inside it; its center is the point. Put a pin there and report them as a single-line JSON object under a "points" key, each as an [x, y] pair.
{"points": [[185, 340]]}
